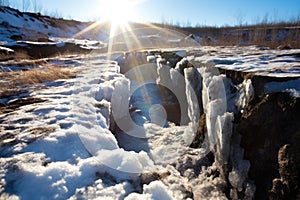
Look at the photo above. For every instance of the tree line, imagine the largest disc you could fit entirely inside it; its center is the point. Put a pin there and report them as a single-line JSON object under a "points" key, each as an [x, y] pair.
{"points": [[24, 5]]}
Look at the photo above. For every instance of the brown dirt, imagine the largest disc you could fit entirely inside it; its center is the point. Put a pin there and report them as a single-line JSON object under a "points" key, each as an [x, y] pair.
{"points": [[266, 127], [19, 103]]}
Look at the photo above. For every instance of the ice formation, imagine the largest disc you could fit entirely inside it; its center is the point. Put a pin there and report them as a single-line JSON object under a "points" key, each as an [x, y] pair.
{"points": [[246, 93], [93, 137], [193, 90], [106, 159], [163, 71]]}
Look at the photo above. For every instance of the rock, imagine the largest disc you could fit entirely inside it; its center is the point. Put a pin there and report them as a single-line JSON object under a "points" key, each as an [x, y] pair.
{"points": [[267, 126], [201, 132], [284, 47], [172, 57], [277, 190], [44, 39], [6, 53], [182, 64], [13, 105], [44, 49], [148, 177], [16, 37], [287, 166], [287, 187]]}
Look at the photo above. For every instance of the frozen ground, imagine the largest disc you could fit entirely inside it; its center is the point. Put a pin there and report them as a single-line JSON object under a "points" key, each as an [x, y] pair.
{"points": [[61, 147]]}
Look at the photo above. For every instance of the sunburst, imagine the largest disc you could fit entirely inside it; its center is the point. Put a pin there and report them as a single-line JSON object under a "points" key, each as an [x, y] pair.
{"points": [[123, 35], [118, 13]]}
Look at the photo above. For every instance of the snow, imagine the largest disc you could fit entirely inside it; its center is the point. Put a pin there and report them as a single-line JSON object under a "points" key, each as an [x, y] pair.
{"points": [[273, 63], [155, 190], [130, 162], [101, 191], [120, 99], [94, 136], [6, 50], [60, 162], [32, 28]]}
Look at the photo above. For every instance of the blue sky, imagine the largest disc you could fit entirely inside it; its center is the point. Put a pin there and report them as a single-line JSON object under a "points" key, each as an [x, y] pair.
{"points": [[202, 12]]}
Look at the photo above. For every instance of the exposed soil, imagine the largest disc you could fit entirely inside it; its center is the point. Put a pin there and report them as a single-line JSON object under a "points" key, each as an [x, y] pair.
{"points": [[270, 137], [43, 51], [18, 103]]}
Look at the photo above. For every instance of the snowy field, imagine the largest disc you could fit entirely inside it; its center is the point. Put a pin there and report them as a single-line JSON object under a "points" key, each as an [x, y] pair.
{"points": [[63, 147]]}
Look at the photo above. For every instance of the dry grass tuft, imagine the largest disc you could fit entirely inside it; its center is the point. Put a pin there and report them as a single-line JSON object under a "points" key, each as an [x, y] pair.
{"points": [[12, 82], [35, 76]]}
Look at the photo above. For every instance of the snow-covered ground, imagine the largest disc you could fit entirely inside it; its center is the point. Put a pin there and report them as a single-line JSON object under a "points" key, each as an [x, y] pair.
{"points": [[62, 147], [275, 64], [28, 30], [265, 62], [29, 26], [106, 135]]}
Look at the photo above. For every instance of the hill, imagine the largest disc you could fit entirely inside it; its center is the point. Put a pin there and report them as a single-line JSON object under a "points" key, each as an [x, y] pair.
{"points": [[34, 35]]}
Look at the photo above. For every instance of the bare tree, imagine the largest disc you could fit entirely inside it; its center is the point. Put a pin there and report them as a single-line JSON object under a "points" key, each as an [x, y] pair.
{"points": [[34, 6], [4, 2], [39, 8], [26, 5], [265, 19], [188, 23], [240, 17]]}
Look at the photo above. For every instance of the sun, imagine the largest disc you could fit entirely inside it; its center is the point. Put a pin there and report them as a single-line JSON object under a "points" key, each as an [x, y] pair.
{"points": [[119, 12]]}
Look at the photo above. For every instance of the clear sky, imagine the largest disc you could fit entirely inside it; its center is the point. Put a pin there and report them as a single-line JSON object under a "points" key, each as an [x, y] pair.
{"points": [[201, 12]]}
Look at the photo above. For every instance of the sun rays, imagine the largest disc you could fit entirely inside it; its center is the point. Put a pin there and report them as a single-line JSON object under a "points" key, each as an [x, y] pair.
{"points": [[115, 16], [124, 35]]}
